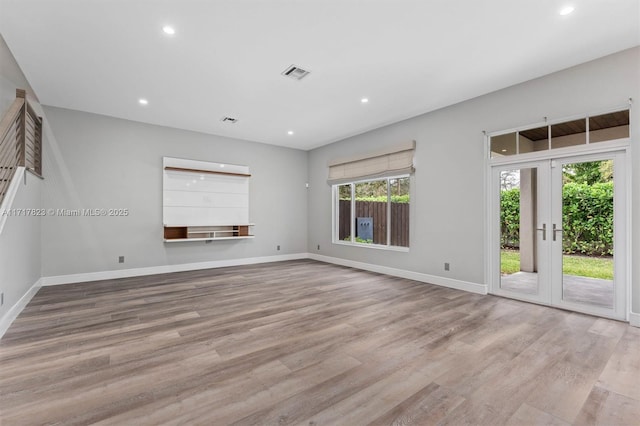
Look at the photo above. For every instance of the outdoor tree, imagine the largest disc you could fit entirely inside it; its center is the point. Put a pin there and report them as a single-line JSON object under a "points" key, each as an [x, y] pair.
{"points": [[589, 173], [509, 179]]}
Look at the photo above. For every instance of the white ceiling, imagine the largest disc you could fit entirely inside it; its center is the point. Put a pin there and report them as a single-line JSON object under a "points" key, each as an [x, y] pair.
{"points": [[408, 57]]}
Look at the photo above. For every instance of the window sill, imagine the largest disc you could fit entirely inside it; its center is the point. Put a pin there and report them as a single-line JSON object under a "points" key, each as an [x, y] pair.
{"points": [[372, 246]]}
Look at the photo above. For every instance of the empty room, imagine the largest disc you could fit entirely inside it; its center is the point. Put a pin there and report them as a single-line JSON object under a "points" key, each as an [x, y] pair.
{"points": [[319, 212]]}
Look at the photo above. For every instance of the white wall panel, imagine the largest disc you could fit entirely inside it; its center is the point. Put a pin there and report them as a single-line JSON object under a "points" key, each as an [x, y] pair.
{"points": [[201, 195], [205, 199]]}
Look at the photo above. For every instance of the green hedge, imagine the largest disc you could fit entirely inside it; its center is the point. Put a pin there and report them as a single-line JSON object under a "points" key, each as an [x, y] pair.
{"points": [[510, 218], [587, 212]]}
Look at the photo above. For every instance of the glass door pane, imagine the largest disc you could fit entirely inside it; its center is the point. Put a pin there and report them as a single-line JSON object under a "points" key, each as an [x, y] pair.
{"points": [[587, 233], [521, 230]]}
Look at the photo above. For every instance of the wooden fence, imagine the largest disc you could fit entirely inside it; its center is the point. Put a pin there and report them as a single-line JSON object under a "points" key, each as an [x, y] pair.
{"points": [[378, 212]]}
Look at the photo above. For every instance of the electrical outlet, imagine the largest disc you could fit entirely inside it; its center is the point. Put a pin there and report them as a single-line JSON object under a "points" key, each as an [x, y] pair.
{"points": [[278, 247], [446, 266], [120, 259]]}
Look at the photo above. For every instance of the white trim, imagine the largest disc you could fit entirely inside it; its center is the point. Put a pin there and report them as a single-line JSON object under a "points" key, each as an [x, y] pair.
{"points": [[15, 310], [557, 153], [335, 205], [634, 319], [165, 269], [622, 303], [488, 214], [417, 276], [189, 240], [629, 239], [12, 190]]}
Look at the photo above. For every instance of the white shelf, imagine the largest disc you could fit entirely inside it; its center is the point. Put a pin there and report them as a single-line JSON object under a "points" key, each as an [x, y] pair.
{"points": [[205, 226], [207, 233], [180, 240]]}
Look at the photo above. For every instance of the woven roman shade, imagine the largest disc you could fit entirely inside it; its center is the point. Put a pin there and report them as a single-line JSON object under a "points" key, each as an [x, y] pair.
{"points": [[396, 160]]}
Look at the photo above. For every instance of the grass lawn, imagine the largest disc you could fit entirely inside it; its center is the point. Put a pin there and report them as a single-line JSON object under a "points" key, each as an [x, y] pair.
{"points": [[509, 262], [582, 266]]}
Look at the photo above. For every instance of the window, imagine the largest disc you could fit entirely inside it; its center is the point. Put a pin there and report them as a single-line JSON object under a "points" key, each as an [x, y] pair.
{"points": [[373, 212], [588, 130], [371, 197]]}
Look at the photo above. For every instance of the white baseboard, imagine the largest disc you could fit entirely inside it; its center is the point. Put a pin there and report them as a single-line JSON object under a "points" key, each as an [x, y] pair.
{"points": [[417, 276], [15, 310], [165, 269], [634, 319]]}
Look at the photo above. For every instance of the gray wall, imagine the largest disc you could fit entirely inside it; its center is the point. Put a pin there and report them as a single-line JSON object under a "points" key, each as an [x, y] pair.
{"points": [[104, 162], [448, 198], [20, 239], [20, 245], [11, 78]]}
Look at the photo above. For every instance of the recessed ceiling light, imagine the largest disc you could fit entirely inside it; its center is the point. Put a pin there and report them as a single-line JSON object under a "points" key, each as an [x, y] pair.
{"points": [[222, 165], [566, 10], [364, 100], [504, 150], [169, 30], [290, 132], [142, 101]]}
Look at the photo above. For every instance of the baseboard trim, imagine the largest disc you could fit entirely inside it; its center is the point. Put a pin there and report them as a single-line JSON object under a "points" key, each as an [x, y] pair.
{"points": [[634, 319], [417, 276], [15, 310], [165, 269]]}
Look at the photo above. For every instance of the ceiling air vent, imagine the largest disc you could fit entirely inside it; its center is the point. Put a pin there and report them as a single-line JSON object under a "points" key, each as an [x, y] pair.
{"points": [[229, 120], [295, 72]]}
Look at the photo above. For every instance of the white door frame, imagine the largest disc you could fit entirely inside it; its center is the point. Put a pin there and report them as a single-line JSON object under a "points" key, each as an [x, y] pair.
{"points": [[622, 194], [543, 295], [620, 243]]}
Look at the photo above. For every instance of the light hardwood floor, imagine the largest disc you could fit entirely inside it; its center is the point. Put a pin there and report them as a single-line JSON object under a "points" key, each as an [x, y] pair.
{"points": [[304, 342]]}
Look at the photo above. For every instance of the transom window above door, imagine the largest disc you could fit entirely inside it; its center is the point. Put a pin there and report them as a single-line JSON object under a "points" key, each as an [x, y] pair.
{"points": [[583, 131]]}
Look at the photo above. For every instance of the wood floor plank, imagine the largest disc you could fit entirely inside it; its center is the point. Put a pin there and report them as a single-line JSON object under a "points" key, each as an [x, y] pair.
{"points": [[604, 407], [426, 407], [527, 414], [305, 342], [622, 371], [564, 387]]}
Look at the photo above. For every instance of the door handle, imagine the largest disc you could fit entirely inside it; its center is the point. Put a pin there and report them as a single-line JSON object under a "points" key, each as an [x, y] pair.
{"points": [[555, 230], [544, 231]]}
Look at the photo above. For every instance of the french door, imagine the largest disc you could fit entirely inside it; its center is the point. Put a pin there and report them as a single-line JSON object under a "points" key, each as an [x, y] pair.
{"points": [[559, 233]]}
